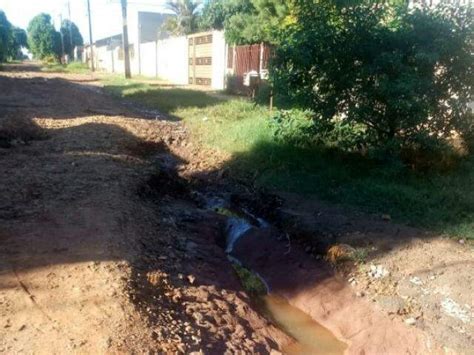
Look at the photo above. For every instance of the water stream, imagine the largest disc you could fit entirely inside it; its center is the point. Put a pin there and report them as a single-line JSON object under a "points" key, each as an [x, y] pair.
{"points": [[310, 336]]}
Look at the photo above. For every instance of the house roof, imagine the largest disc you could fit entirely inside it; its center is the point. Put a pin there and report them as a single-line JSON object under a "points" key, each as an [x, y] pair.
{"points": [[115, 41]]}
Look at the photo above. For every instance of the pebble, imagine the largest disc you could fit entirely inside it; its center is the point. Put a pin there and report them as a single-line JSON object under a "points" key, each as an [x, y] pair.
{"points": [[410, 321]]}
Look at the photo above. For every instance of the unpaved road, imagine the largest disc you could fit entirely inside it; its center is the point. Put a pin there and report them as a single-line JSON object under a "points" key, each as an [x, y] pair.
{"points": [[87, 264], [105, 246]]}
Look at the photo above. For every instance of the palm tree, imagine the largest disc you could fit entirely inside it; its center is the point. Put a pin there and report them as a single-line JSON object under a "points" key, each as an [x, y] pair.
{"points": [[185, 21]]}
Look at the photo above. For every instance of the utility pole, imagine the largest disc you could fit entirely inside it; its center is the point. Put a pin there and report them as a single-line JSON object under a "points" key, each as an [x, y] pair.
{"points": [[91, 43], [62, 37], [71, 45], [126, 54]]}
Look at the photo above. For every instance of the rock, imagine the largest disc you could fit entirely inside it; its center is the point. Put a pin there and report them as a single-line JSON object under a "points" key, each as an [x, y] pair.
{"points": [[191, 279], [377, 271], [410, 321], [386, 217], [462, 241]]}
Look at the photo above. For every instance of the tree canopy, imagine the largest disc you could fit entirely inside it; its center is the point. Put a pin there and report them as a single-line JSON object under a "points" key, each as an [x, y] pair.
{"points": [[43, 40], [391, 75], [5, 28], [245, 21], [71, 37], [186, 19], [12, 39]]}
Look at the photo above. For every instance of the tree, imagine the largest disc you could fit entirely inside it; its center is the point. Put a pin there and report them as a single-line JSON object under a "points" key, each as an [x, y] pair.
{"points": [[5, 30], [71, 37], [18, 40], [186, 19], [43, 40], [403, 77], [245, 21]]}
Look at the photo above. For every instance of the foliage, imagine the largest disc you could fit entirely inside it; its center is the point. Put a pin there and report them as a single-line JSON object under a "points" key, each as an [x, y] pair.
{"points": [[12, 39], [442, 201], [405, 76], [71, 37], [245, 21], [5, 29], [43, 39], [186, 19], [70, 68]]}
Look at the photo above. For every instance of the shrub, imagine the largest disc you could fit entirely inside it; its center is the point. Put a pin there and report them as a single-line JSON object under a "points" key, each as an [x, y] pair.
{"points": [[402, 78]]}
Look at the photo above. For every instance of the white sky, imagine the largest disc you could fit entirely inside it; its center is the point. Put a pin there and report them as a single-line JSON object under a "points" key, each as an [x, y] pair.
{"points": [[106, 14]]}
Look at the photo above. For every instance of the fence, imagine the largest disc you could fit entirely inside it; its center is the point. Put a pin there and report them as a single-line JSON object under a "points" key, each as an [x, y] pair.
{"points": [[242, 60], [199, 59]]}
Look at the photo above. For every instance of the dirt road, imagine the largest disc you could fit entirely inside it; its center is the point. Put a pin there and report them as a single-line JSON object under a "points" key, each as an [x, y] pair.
{"points": [[86, 263], [105, 246]]}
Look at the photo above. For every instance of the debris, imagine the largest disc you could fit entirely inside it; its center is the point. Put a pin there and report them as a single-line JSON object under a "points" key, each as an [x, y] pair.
{"points": [[377, 271], [451, 308]]}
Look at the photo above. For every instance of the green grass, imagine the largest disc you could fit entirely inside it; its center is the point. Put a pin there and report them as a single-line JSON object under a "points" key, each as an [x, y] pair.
{"points": [[71, 68], [442, 202]]}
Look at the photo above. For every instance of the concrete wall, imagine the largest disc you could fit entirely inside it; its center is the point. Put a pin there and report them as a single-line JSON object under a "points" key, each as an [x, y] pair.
{"points": [[219, 60], [167, 59], [173, 60], [148, 59]]}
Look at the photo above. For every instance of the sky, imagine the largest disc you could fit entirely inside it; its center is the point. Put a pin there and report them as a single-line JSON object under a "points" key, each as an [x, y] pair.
{"points": [[106, 14]]}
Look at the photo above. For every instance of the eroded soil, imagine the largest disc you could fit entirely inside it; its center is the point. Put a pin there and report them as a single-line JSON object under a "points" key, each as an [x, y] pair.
{"points": [[106, 247], [94, 258]]}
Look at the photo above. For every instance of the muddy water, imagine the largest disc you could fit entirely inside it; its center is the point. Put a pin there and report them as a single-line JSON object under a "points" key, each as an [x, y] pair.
{"points": [[311, 337]]}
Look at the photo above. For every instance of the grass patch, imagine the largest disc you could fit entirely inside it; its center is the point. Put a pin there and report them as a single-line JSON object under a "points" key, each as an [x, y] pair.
{"points": [[71, 68], [251, 283], [441, 201]]}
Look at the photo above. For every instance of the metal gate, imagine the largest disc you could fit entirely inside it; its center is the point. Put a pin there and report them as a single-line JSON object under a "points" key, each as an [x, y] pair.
{"points": [[200, 59]]}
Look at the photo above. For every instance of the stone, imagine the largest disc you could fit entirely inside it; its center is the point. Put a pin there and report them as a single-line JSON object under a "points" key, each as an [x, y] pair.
{"points": [[191, 279]]}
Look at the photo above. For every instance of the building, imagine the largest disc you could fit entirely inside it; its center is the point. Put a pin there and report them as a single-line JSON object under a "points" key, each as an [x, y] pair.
{"points": [[198, 59]]}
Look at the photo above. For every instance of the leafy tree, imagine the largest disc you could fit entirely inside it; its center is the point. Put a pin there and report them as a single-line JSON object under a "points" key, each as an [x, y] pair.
{"points": [[186, 19], [18, 40], [5, 33], [43, 39], [71, 36], [245, 21], [399, 77]]}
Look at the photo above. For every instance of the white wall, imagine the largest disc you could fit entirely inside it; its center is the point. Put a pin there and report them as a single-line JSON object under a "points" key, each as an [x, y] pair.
{"points": [[148, 59], [173, 60], [219, 60], [167, 59]]}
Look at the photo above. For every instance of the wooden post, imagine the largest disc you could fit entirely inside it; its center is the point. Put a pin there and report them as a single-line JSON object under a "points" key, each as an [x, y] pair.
{"points": [[91, 43]]}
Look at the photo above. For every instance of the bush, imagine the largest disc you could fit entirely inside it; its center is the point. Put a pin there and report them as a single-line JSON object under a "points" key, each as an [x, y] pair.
{"points": [[401, 78]]}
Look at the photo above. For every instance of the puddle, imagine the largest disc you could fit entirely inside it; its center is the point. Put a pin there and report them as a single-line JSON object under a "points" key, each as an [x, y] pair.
{"points": [[311, 337]]}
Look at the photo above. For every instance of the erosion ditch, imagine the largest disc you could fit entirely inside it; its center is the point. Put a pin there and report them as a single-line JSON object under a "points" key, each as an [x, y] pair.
{"points": [[307, 301]]}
